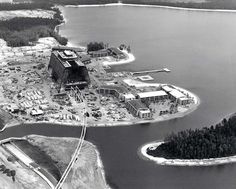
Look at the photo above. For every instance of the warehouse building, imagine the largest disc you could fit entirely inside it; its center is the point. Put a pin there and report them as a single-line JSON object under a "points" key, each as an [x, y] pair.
{"points": [[66, 68], [138, 109], [112, 51], [179, 97], [99, 53], [115, 90], [176, 95], [84, 58], [152, 96], [116, 53]]}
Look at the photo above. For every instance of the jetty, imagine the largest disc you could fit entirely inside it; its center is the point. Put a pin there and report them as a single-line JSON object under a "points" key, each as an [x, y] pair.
{"points": [[151, 71]]}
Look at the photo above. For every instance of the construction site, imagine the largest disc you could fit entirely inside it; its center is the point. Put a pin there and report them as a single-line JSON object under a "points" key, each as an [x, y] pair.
{"points": [[57, 85]]}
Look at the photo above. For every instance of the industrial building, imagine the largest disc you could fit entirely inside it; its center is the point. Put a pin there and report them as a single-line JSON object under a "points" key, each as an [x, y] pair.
{"points": [[152, 96], [112, 51], [66, 68], [84, 58], [99, 53], [116, 53], [179, 97], [115, 90], [176, 95], [138, 109]]}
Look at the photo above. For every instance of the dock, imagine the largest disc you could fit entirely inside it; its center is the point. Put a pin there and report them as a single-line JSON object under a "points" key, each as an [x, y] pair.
{"points": [[151, 71]]}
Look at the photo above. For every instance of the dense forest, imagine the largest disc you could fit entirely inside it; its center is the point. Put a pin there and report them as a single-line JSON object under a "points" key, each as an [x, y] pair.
{"points": [[216, 141], [208, 4], [22, 31], [25, 6], [95, 46]]}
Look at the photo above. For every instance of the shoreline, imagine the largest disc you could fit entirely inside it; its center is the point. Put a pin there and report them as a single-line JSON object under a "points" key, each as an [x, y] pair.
{"points": [[183, 162], [152, 6], [121, 123], [130, 58], [98, 164]]}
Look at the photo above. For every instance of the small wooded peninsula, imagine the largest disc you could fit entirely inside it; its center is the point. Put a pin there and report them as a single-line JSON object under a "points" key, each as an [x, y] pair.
{"points": [[213, 142]]}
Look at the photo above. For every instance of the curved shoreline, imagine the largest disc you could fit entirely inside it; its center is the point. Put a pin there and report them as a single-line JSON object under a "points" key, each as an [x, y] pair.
{"points": [[153, 6], [183, 162], [130, 58], [123, 123]]}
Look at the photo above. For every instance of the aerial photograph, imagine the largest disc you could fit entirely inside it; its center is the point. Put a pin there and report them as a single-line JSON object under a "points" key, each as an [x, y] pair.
{"points": [[117, 94]]}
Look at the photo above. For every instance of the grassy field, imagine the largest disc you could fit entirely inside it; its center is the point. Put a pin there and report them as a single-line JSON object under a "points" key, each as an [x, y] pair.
{"points": [[86, 172], [4, 118], [42, 159]]}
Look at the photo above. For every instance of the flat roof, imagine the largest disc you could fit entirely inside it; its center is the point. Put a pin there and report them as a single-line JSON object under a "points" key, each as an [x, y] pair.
{"points": [[145, 111], [129, 95], [78, 62], [152, 94], [167, 88], [67, 54], [177, 94], [77, 49], [115, 50], [118, 88], [99, 51], [66, 64], [137, 104], [84, 57]]}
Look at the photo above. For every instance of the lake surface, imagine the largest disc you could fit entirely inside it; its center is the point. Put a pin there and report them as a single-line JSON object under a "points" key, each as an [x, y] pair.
{"points": [[200, 50]]}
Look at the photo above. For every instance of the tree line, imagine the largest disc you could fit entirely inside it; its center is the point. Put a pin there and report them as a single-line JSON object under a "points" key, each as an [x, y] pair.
{"points": [[25, 6], [8, 172], [22, 31], [95, 46], [210, 4], [213, 142]]}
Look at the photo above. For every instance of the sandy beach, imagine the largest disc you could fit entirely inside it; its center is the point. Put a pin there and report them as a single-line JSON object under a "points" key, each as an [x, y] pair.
{"points": [[6, 15], [153, 6], [183, 162], [130, 58]]}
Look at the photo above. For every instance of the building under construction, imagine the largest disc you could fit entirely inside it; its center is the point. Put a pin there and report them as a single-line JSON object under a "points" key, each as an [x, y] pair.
{"points": [[66, 68]]}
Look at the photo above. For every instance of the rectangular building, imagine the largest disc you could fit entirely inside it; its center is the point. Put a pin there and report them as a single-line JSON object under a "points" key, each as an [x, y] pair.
{"points": [[99, 53], [138, 109], [179, 97], [66, 68], [115, 90], [84, 58], [152, 96], [116, 53]]}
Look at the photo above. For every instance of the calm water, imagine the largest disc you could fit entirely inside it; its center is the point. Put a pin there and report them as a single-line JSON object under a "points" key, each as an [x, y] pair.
{"points": [[200, 50]]}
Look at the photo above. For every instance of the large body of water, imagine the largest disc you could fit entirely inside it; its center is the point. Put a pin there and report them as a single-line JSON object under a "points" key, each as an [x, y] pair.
{"points": [[200, 50]]}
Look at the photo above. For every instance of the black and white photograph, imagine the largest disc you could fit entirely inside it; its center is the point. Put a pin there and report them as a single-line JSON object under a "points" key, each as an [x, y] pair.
{"points": [[117, 94]]}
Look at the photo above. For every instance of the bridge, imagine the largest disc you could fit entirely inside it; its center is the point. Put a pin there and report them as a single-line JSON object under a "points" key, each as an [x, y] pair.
{"points": [[151, 71], [75, 155]]}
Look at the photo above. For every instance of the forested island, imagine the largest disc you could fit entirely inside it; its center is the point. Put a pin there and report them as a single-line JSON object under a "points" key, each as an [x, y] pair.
{"points": [[213, 142]]}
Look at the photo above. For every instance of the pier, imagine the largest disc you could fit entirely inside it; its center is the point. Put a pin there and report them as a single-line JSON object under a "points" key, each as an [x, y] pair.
{"points": [[151, 71]]}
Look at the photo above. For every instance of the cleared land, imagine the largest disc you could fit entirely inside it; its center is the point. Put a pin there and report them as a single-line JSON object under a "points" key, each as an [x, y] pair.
{"points": [[87, 172], [41, 158], [24, 179], [52, 154], [6, 15]]}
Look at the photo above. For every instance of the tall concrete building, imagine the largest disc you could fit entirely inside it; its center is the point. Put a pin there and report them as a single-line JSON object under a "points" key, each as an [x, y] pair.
{"points": [[66, 68]]}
